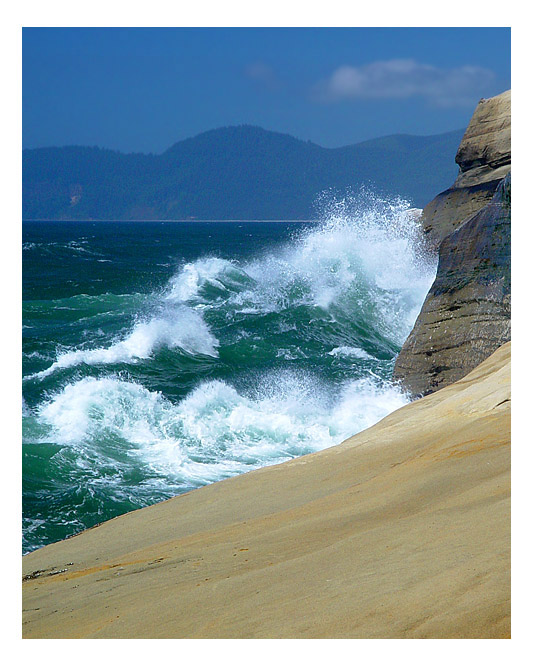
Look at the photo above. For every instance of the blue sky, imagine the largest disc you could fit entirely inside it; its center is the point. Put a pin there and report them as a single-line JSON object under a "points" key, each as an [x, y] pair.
{"points": [[142, 89]]}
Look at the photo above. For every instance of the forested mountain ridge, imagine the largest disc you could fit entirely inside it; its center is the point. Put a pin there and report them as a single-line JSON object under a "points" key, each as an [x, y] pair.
{"points": [[241, 172]]}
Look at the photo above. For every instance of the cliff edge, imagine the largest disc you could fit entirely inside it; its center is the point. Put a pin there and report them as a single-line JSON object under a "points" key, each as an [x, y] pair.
{"points": [[466, 314], [484, 159]]}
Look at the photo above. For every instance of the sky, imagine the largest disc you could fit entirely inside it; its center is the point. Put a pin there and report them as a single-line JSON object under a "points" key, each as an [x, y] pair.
{"points": [[143, 89]]}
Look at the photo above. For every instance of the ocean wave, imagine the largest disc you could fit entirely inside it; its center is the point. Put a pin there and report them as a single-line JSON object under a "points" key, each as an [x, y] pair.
{"points": [[180, 328], [365, 261], [293, 349], [210, 277], [215, 431], [362, 269], [79, 246]]}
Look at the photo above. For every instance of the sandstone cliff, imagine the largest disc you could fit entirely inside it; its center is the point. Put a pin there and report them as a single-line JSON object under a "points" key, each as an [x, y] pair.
{"points": [[484, 158], [466, 314]]}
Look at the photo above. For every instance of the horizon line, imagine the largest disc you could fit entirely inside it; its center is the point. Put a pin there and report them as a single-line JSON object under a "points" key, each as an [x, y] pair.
{"points": [[172, 220]]}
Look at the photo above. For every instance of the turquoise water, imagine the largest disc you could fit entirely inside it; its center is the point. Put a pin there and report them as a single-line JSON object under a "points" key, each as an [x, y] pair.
{"points": [[159, 357]]}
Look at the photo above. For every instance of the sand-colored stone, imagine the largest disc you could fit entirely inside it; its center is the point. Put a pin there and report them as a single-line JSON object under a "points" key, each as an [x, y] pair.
{"points": [[484, 159], [401, 531], [486, 142], [448, 210], [466, 314]]}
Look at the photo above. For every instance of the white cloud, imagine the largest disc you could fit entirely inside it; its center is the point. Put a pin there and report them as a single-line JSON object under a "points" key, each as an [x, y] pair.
{"points": [[404, 78]]}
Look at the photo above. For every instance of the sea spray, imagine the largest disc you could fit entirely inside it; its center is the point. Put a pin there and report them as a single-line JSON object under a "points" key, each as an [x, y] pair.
{"points": [[363, 262], [236, 360], [178, 328], [215, 431]]}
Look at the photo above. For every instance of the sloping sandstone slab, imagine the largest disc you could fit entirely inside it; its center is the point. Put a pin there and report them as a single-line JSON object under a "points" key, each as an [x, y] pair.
{"points": [[401, 531]]}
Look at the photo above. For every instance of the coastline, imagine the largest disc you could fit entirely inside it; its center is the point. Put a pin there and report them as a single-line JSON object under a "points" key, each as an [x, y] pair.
{"points": [[400, 531]]}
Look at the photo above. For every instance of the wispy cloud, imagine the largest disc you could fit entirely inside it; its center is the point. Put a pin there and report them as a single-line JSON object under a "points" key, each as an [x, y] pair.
{"points": [[263, 74], [405, 78]]}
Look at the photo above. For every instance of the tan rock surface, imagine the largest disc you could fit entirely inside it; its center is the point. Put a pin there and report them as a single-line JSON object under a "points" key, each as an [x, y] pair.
{"points": [[401, 531], [484, 158], [466, 314], [486, 144]]}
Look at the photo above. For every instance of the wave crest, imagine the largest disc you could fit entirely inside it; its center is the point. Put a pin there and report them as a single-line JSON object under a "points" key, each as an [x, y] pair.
{"points": [[180, 328], [215, 431]]}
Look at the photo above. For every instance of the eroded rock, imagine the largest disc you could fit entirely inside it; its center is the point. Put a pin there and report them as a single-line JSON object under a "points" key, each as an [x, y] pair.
{"points": [[466, 314], [484, 159]]}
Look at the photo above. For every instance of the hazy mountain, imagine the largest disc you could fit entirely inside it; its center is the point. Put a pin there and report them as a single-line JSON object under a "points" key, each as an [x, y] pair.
{"points": [[230, 173]]}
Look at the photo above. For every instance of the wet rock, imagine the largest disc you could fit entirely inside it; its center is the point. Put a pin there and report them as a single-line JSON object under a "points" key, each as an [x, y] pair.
{"points": [[466, 315]]}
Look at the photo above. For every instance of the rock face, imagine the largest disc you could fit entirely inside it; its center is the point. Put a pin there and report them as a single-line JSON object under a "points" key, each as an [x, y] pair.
{"points": [[466, 315], [484, 158]]}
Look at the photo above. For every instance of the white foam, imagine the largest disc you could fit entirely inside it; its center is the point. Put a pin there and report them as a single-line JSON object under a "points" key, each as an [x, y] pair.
{"points": [[215, 431], [194, 276], [346, 351], [181, 328], [35, 355], [364, 259], [86, 409]]}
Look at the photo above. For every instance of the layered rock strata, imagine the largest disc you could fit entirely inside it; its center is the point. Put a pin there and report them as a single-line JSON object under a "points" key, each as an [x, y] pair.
{"points": [[484, 158], [466, 314]]}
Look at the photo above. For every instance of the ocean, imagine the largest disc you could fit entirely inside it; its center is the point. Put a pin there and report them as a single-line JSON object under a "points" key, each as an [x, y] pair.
{"points": [[162, 356]]}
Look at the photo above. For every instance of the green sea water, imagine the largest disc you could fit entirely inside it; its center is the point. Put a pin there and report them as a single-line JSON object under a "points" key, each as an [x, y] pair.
{"points": [[161, 356]]}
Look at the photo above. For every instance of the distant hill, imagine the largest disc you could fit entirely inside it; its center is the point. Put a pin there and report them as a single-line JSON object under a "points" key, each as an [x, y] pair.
{"points": [[239, 172]]}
